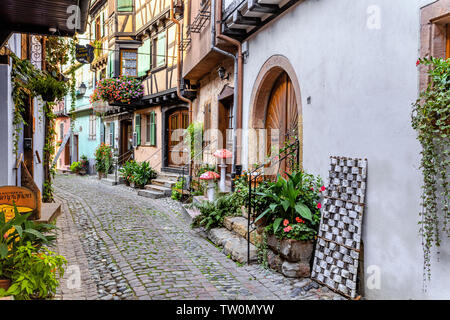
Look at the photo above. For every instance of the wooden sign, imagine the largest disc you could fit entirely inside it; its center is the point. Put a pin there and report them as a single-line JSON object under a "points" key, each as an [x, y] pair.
{"points": [[24, 199]]}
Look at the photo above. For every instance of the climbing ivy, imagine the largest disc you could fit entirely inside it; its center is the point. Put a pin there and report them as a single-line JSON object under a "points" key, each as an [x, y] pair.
{"points": [[431, 120], [29, 82]]}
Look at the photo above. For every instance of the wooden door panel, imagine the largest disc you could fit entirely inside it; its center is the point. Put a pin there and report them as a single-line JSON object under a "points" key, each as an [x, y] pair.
{"points": [[178, 121], [282, 115]]}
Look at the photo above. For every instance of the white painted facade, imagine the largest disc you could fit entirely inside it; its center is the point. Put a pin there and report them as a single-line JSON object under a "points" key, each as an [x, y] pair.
{"points": [[362, 78], [7, 156]]}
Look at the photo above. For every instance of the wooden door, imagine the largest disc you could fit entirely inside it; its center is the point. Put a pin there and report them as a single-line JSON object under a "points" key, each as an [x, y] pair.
{"points": [[75, 149], [178, 121], [281, 119]]}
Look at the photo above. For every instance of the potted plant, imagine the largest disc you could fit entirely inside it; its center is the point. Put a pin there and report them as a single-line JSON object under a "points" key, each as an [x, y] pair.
{"points": [[84, 165], [127, 171], [292, 219], [75, 167], [103, 159], [25, 265], [142, 174], [123, 89]]}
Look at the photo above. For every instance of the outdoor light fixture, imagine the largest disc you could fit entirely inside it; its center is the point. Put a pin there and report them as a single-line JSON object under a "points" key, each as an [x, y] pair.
{"points": [[221, 72], [82, 89]]}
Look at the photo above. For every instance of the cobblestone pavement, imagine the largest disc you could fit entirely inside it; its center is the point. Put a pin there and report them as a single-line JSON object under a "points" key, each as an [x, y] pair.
{"points": [[129, 247]]}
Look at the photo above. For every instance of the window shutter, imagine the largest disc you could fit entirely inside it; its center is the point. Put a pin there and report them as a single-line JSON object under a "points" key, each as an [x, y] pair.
{"points": [[161, 50], [137, 127], [112, 134], [144, 58], [102, 24], [110, 68], [153, 128], [102, 132], [124, 5]]}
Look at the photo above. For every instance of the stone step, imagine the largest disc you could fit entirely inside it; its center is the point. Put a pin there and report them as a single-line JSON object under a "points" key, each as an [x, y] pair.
{"points": [[233, 245], [153, 187], [110, 182], [168, 176], [163, 182], [151, 194], [239, 226]]}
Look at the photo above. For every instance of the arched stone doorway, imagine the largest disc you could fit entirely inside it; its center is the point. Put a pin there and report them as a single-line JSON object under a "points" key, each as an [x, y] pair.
{"points": [[276, 107]]}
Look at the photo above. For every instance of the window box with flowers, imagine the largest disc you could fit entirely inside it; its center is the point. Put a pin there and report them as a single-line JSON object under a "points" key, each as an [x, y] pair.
{"points": [[292, 217], [123, 90]]}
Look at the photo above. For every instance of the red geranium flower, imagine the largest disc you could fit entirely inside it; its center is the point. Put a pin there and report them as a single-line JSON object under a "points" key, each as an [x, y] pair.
{"points": [[322, 188], [319, 205], [285, 222], [418, 62]]}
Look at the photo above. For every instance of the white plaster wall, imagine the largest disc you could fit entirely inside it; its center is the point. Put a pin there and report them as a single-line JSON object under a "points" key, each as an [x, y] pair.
{"points": [[362, 83], [7, 158]]}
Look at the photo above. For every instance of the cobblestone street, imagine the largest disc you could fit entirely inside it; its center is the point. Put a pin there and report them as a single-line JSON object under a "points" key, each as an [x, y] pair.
{"points": [[130, 247]]}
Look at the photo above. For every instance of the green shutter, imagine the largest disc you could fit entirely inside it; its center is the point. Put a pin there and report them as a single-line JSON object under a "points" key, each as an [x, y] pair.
{"points": [[112, 134], [137, 127], [124, 5], [102, 24], [144, 58], [161, 50], [110, 68], [153, 128]]}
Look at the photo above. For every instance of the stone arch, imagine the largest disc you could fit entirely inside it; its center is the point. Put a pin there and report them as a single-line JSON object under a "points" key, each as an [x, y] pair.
{"points": [[270, 71]]}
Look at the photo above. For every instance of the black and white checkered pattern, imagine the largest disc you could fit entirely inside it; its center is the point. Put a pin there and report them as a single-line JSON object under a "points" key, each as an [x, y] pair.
{"points": [[337, 249]]}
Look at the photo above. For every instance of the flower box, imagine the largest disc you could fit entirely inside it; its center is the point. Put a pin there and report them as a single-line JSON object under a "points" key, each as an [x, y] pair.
{"points": [[293, 257]]}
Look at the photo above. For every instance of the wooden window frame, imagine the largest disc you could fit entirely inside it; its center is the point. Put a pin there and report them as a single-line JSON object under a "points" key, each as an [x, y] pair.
{"points": [[136, 60]]}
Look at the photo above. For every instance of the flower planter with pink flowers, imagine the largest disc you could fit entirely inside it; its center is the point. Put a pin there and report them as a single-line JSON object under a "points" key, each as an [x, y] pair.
{"points": [[291, 221]]}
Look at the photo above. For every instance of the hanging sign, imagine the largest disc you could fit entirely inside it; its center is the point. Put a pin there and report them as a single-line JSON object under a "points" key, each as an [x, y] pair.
{"points": [[84, 54]]}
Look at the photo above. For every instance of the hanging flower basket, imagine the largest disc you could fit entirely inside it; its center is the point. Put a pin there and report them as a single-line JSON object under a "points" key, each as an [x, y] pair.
{"points": [[117, 90]]}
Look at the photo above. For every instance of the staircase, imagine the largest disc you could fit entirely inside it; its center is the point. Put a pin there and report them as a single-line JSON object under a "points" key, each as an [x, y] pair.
{"points": [[160, 187]]}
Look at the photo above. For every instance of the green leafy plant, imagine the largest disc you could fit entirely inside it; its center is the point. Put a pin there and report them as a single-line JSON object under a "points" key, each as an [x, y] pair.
{"points": [[431, 120], [176, 194], [103, 158], [194, 139], [84, 163], [142, 174], [34, 273], [293, 203], [128, 170], [20, 230], [213, 213], [75, 167]]}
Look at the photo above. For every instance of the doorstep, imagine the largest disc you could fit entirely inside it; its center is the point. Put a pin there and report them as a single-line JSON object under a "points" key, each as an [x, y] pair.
{"points": [[49, 212]]}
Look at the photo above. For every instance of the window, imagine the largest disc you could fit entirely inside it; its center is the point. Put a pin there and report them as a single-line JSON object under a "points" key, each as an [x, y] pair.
{"points": [[92, 127], [150, 129], [128, 63], [159, 51], [61, 131], [97, 29], [125, 5]]}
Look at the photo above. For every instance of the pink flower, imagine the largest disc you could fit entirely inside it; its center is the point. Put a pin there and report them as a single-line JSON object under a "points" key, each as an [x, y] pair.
{"points": [[322, 188], [285, 222], [287, 229], [418, 62], [5, 236], [319, 205]]}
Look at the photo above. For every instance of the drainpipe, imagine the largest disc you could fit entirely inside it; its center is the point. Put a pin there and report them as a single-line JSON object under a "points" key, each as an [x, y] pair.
{"points": [[179, 70], [237, 95]]}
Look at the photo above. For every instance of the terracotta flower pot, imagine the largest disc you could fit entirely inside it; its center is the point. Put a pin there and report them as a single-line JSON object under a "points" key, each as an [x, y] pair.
{"points": [[5, 283]]}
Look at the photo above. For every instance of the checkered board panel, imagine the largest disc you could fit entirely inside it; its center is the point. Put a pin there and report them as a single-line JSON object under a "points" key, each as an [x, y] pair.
{"points": [[337, 249]]}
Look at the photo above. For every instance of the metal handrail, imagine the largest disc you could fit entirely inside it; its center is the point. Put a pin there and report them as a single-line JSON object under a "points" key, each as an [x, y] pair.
{"points": [[256, 173]]}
